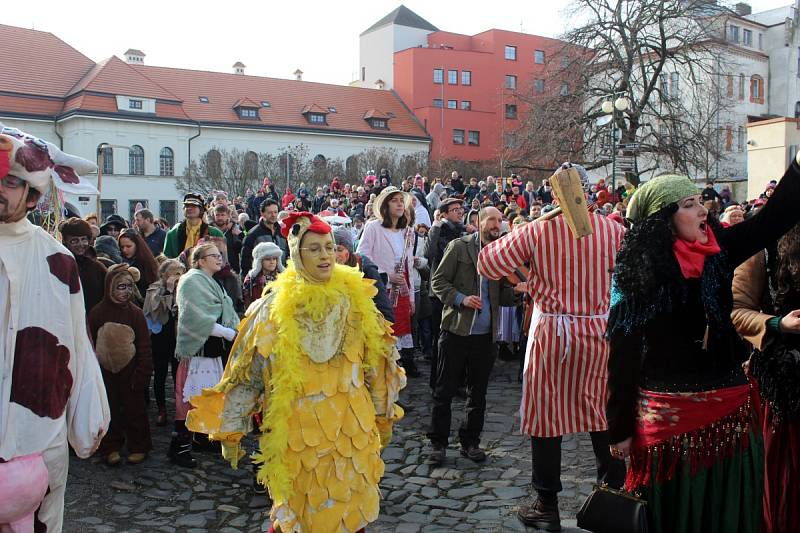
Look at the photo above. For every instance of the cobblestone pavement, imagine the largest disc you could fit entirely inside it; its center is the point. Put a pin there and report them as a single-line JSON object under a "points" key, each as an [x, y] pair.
{"points": [[461, 496]]}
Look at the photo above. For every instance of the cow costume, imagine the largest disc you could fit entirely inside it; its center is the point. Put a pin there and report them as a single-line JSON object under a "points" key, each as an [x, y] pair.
{"points": [[53, 391]]}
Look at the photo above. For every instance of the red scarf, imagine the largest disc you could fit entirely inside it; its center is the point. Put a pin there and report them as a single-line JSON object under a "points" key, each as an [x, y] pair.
{"points": [[691, 256]]}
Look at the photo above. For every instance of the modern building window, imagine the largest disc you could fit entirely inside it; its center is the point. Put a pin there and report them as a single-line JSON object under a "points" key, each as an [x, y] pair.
{"points": [[564, 89], [136, 160], [510, 140], [452, 104], [107, 207], [438, 75], [741, 86], [108, 158], [675, 84], [438, 102], [166, 162], [538, 57], [733, 33], [747, 37], [538, 86], [511, 111], [458, 136], [167, 210], [452, 77], [511, 81], [511, 53], [134, 104], [316, 118], [475, 138], [741, 142], [132, 206], [757, 89], [466, 77], [797, 110], [466, 105], [363, 73]]}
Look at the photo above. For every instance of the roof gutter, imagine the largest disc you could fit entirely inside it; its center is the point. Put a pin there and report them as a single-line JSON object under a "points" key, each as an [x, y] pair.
{"points": [[199, 130]]}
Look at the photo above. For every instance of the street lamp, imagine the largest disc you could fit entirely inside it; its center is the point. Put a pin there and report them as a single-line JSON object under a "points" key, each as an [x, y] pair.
{"points": [[608, 107]]}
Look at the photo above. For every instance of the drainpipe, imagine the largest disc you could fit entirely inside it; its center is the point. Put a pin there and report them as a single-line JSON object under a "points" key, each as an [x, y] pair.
{"points": [[192, 138], [60, 138]]}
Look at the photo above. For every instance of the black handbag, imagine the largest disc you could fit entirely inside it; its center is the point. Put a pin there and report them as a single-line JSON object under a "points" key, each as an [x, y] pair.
{"points": [[608, 510]]}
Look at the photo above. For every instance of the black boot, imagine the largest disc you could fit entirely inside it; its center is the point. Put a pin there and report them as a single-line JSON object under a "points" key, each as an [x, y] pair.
{"points": [[407, 361], [540, 515], [180, 447]]}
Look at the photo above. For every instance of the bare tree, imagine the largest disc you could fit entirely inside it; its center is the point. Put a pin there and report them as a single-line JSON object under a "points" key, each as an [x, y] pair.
{"points": [[664, 56], [234, 172]]}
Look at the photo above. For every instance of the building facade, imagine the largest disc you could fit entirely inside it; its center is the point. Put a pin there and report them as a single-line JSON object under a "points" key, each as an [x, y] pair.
{"points": [[463, 88], [151, 122]]}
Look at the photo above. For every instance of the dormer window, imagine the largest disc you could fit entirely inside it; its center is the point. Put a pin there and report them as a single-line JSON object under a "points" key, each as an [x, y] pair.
{"points": [[245, 112], [378, 123], [377, 120], [203, 99], [246, 109], [265, 103], [134, 104], [316, 115]]}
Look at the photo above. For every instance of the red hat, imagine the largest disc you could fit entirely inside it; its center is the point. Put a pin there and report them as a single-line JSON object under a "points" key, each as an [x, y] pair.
{"points": [[317, 225]]}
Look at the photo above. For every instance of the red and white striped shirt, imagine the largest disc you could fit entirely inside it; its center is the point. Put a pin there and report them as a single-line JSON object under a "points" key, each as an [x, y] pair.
{"points": [[565, 376]]}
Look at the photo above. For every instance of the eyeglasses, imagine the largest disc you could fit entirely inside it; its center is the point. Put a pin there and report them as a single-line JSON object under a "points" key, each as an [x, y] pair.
{"points": [[75, 241], [316, 251], [12, 182], [456, 209], [215, 256]]}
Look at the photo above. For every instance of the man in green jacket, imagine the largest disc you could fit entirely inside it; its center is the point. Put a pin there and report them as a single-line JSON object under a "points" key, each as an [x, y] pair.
{"points": [[469, 325], [185, 235]]}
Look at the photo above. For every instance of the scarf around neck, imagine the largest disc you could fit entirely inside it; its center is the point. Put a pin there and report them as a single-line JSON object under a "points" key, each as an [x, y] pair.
{"points": [[691, 256]]}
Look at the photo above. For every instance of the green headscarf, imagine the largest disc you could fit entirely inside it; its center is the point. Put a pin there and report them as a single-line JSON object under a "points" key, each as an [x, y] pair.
{"points": [[650, 197]]}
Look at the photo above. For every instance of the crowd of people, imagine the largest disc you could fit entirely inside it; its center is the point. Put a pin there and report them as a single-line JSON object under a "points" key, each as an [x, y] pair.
{"points": [[680, 297]]}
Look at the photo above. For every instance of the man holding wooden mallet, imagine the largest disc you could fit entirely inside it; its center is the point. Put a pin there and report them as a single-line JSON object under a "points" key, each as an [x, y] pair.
{"points": [[564, 386]]}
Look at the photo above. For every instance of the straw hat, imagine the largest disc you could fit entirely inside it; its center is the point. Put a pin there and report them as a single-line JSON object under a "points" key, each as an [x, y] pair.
{"points": [[384, 196]]}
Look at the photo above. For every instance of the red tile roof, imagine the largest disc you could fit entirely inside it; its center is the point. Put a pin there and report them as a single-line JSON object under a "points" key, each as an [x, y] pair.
{"points": [[245, 102], [39, 63], [314, 108], [75, 84], [374, 113]]}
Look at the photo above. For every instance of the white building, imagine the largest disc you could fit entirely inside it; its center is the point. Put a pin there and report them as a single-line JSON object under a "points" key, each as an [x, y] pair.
{"points": [[155, 120], [400, 29]]}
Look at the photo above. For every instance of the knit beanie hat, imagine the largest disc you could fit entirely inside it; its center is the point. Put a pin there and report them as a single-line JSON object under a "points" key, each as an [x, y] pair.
{"points": [[75, 227], [107, 245], [261, 252], [658, 193], [344, 237]]}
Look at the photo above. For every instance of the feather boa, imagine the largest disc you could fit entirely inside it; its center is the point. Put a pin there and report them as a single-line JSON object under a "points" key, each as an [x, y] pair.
{"points": [[289, 296]]}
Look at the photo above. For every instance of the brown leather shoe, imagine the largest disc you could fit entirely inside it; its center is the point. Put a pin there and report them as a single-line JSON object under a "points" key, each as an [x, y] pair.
{"points": [[113, 459], [540, 515], [436, 456], [136, 458], [473, 453]]}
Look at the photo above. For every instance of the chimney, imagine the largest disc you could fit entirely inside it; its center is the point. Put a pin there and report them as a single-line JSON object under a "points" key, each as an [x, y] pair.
{"points": [[134, 57], [743, 9], [238, 68], [380, 84], [298, 75]]}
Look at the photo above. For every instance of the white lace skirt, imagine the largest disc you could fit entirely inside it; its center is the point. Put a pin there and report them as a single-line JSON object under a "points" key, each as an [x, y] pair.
{"points": [[204, 372]]}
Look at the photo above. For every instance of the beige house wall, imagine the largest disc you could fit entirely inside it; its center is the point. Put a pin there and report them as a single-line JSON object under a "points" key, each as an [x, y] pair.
{"points": [[770, 146]]}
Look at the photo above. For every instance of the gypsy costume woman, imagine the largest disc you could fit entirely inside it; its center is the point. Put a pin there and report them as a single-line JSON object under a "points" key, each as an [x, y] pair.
{"points": [[676, 384], [317, 360], [766, 288]]}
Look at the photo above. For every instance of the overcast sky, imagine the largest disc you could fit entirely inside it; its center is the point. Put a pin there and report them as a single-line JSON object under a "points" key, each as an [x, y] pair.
{"points": [[273, 38]]}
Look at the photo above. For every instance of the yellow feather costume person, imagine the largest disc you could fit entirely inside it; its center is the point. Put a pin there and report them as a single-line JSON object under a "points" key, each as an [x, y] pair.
{"points": [[317, 359]]}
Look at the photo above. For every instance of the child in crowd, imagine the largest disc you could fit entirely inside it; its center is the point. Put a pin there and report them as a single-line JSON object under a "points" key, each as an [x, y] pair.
{"points": [[266, 267]]}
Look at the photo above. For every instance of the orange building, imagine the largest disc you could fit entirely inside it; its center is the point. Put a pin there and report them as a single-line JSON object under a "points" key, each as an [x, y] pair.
{"points": [[463, 88]]}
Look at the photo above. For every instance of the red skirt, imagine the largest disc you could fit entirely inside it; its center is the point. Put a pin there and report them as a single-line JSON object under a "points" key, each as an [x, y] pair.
{"points": [[402, 316], [781, 474]]}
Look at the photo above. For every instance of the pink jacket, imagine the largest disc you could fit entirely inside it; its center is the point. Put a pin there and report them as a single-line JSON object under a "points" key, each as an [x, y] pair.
{"points": [[375, 244]]}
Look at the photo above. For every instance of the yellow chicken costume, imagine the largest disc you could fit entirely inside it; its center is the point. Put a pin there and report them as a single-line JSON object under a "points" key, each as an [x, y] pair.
{"points": [[317, 359]]}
